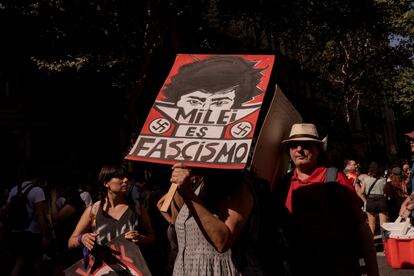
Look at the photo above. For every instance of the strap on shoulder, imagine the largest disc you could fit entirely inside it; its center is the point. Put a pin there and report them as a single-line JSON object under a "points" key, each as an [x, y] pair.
{"points": [[372, 186], [28, 189], [331, 174], [94, 210]]}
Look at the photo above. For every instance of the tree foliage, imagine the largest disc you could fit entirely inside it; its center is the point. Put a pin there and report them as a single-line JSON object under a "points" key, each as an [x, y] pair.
{"points": [[357, 52]]}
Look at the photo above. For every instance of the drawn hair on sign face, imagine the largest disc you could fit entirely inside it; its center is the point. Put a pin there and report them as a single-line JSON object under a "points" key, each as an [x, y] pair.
{"points": [[220, 82]]}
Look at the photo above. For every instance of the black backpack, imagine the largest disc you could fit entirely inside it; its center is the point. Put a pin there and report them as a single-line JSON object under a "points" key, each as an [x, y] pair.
{"points": [[18, 216]]}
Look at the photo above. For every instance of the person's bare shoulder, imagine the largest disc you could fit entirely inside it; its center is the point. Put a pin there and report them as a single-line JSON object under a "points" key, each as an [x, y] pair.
{"points": [[362, 177]]}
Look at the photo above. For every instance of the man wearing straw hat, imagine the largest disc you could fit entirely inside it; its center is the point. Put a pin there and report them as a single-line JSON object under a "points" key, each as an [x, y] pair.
{"points": [[323, 224]]}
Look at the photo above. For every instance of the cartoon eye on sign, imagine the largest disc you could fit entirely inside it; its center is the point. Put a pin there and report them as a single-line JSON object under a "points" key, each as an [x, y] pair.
{"points": [[206, 112]]}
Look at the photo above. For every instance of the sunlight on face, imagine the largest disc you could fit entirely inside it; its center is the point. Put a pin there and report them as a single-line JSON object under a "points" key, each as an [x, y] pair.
{"points": [[223, 99], [351, 166]]}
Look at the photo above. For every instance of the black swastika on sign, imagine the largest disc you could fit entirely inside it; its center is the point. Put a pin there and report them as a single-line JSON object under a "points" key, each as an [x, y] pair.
{"points": [[241, 130], [160, 125]]}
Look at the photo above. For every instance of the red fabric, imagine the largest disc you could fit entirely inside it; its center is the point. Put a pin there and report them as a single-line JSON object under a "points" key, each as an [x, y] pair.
{"points": [[351, 177], [318, 177]]}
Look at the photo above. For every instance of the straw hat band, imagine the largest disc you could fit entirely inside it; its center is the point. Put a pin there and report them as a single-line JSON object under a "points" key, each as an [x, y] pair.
{"points": [[303, 136]]}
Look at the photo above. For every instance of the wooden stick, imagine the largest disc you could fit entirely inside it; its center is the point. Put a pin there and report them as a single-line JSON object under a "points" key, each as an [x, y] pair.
{"points": [[168, 198]]}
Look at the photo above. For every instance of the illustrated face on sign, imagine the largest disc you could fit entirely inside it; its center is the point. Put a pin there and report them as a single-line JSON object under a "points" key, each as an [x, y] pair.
{"points": [[224, 77], [219, 100]]}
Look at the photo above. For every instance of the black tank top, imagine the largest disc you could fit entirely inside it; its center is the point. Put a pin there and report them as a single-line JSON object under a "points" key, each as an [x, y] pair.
{"points": [[109, 228]]}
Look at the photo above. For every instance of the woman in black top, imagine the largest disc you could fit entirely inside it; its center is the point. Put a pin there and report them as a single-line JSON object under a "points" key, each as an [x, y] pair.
{"points": [[114, 215]]}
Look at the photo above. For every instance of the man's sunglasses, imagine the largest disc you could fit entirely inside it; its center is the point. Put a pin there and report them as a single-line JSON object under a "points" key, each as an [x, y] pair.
{"points": [[302, 144]]}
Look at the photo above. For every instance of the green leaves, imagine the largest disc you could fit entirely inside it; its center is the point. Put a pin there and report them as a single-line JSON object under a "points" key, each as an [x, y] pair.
{"points": [[353, 50]]}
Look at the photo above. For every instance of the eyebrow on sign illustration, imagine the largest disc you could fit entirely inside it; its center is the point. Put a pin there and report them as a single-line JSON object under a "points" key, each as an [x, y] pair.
{"points": [[197, 98], [220, 99]]}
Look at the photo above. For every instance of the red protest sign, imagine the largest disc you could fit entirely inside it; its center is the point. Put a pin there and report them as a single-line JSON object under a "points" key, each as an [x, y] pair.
{"points": [[118, 257], [206, 112]]}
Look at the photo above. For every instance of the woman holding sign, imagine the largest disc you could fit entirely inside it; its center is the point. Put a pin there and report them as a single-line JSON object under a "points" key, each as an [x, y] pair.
{"points": [[213, 229], [114, 215]]}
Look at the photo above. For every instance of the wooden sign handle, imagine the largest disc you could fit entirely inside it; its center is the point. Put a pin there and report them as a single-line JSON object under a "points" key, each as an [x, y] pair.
{"points": [[168, 198]]}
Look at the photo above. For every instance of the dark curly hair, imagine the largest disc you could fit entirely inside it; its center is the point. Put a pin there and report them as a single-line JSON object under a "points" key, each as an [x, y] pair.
{"points": [[214, 74]]}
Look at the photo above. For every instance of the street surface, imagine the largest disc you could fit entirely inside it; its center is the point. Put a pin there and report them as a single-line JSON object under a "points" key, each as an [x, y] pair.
{"points": [[385, 270]]}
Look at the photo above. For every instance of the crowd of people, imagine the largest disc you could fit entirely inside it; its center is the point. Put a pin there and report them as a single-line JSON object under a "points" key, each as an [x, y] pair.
{"points": [[318, 220], [60, 211], [385, 192]]}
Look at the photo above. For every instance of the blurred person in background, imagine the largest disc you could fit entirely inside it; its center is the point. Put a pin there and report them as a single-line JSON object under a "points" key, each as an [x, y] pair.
{"points": [[352, 171], [407, 175], [27, 244], [396, 193], [373, 186], [65, 219]]}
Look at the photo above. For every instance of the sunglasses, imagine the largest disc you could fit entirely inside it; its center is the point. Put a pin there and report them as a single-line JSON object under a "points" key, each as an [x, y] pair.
{"points": [[302, 144]]}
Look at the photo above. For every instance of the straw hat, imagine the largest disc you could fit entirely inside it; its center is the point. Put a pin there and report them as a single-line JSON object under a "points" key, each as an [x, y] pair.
{"points": [[303, 132]]}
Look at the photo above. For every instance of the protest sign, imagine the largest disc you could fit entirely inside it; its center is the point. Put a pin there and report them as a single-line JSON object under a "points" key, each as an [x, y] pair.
{"points": [[118, 257], [206, 112]]}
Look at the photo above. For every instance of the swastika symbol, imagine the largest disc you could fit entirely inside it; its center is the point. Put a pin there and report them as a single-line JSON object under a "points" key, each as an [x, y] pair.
{"points": [[159, 125], [241, 130]]}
